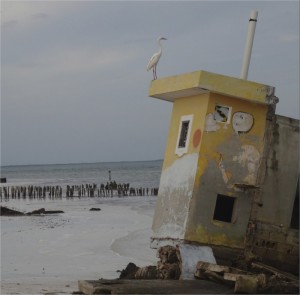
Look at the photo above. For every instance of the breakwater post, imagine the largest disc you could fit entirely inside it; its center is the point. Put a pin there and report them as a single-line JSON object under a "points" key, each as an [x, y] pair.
{"points": [[108, 190]]}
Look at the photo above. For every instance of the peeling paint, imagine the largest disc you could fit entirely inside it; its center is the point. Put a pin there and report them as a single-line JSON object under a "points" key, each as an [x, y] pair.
{"points": [[175, 192], [224, 173], [210, 238], [249, 157], [211, 124]]}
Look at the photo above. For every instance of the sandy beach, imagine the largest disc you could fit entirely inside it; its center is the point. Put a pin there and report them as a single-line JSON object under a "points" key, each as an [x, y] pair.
{"points": [[49, 254]]}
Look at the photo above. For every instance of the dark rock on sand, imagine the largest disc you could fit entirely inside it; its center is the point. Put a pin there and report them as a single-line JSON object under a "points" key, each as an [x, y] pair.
{"points": [[4, 211], [43, 211], [95, 209]]}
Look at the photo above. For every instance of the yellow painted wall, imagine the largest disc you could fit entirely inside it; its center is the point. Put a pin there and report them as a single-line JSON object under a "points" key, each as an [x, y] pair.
{"points": [[178, 173], [212, 140], [222, 147], [195, 105]]}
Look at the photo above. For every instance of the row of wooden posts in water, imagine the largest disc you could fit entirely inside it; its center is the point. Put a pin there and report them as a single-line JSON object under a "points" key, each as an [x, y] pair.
{"points": [[84, 190]]}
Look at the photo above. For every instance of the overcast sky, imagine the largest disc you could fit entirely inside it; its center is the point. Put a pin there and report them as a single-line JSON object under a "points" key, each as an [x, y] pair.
{"points": [[74, 85]]}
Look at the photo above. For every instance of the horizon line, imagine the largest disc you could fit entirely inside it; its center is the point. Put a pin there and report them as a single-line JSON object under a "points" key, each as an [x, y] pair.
{"points": [[79, 163]]}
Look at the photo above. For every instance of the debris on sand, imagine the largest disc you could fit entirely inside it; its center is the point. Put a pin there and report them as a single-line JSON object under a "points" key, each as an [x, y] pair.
{"points": [[95, 209], [43, 211], [4, 211], [129, 272], [255, 278]]}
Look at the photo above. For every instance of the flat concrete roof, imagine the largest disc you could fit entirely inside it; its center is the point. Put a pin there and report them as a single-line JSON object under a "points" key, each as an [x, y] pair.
{"points": [[195, 83]]}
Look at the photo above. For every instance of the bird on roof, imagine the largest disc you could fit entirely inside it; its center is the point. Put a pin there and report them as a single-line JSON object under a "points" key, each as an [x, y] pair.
{"points": [[155, 59]]}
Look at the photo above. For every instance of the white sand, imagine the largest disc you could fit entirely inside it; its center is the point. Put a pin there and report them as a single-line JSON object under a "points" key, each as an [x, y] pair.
{"points": [[49, 254]]}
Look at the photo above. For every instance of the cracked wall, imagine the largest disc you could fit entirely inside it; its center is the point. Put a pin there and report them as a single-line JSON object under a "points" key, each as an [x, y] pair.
{"points": [[229, 162]]}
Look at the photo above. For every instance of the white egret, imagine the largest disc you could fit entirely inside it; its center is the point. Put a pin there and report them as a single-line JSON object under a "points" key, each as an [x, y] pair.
{"points": [[155, 59]]}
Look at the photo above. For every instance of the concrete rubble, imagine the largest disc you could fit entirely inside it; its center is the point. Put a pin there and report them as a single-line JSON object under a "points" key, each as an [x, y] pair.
{"points": [[166, 278]]}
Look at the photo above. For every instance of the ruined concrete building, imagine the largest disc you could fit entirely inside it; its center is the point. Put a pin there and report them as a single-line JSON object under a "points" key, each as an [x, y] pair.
{"points": [[230, 177]]}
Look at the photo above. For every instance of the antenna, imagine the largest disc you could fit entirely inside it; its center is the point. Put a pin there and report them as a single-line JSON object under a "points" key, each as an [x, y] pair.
{"points": [[249, 44]]}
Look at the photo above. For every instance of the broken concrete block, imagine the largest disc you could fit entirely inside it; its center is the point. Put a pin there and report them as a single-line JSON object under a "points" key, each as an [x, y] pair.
{"points": [[147, 273], [201, 265], [168, 254], [246, 284], [168, 271], [129, 272], [190, 254]]}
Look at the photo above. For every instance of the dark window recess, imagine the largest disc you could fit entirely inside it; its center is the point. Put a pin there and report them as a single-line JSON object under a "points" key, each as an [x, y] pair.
{"points": [[224, 208], [295, 214], [183, 134]]}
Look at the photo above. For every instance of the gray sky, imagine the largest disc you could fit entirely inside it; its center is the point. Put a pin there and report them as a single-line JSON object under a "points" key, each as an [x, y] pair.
{"points": [[74, 85]]}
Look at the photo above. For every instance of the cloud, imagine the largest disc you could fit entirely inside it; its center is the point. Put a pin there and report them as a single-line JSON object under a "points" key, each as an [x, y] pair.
{"points": [[20, 12], [77, 60], [40, 15], [9, 23], [289, 38], [83, 62], [25, 13]]}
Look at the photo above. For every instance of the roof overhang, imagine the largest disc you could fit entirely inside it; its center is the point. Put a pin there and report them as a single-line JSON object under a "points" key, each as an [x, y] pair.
{"points": [[199, 82]]}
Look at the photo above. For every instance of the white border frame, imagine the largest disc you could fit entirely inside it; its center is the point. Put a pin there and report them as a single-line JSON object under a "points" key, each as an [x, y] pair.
{"points": [[183, 150]]}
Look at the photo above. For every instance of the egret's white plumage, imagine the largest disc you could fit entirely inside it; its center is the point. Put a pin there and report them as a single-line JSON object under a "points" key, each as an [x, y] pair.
{"points": [[155, 59]]}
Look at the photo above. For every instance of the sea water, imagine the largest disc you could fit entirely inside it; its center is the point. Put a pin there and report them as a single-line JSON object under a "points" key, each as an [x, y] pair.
{"points": [[137, 174], [41, 254]]}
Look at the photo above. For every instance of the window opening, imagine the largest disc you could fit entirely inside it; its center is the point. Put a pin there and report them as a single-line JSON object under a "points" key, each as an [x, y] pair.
{"points": [[183, 134], [295, 214], [224, 208], [222, 113], [184, 131]]}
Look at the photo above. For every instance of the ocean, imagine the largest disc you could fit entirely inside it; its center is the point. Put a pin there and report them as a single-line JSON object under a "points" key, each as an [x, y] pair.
{"points": [[49, 253], [137, 174]]}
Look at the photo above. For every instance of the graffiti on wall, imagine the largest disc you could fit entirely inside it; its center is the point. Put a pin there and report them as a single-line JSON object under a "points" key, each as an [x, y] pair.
{"points": [[242, 122]]}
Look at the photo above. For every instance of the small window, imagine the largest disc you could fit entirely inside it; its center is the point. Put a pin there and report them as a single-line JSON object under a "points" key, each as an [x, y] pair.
{"points": [[222, 114], [185, 127], [183, 134], [224, 208]]}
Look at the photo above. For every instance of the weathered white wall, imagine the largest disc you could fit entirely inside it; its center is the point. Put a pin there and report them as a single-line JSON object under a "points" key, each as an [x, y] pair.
{"points": [[175, 192]]}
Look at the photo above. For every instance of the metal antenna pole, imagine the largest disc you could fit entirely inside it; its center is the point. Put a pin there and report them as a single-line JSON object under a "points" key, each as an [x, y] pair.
{"points": [[249, 44]]}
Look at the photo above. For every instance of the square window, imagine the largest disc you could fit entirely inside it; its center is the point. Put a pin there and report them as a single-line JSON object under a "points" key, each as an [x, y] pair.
{"points": [[222, 114], [224, 208]]}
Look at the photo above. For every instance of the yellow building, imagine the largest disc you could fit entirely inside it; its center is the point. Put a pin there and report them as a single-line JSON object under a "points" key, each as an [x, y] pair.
{"points": [[215, 159]]}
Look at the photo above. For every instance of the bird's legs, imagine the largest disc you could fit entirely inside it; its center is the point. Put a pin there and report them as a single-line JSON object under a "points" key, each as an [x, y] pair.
{"points": [[154, 73]]}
